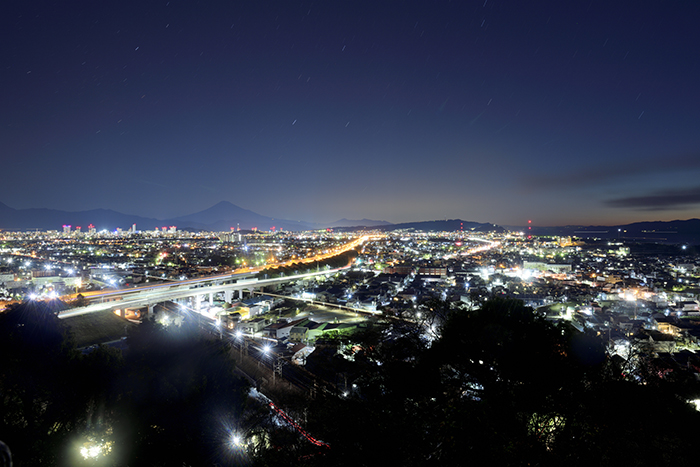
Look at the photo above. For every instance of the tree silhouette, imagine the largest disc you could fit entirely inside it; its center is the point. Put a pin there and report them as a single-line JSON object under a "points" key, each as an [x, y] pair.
{"points": [[500, 386], [165, 403]]}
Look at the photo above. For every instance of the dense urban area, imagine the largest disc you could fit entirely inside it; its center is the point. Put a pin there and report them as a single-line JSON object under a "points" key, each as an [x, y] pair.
{"points": [[337, 348]]}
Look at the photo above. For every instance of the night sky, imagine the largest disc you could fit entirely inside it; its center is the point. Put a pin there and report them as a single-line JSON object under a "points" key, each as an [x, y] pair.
{"points": [[563, 112]]}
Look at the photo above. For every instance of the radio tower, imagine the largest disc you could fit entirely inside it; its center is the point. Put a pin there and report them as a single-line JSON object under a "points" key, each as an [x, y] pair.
{"points": [[529, 230]]}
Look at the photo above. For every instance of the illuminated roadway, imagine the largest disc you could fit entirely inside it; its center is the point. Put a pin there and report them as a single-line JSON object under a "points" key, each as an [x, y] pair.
{"points": [[240, 279], [137, 298]]}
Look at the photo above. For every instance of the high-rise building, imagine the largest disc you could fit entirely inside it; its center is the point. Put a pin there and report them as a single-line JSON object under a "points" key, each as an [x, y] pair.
{"points": [[66, 230], [232, 236]]}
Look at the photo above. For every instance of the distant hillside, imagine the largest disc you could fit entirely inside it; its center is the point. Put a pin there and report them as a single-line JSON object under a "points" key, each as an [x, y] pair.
{"points": [[53, 219], [358, 223], [678, 231], [448, 225]]}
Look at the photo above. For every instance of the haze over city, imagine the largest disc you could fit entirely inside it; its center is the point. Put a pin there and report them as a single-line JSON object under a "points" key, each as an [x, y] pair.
{"points": [[493, 111]]}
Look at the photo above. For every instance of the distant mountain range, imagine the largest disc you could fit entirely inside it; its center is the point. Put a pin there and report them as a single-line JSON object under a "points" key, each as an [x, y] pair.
{"points": [[220, 217], [224, 216]]}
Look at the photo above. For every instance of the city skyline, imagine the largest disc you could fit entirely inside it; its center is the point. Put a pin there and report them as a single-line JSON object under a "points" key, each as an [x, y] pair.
{"points": [[486, 111]]}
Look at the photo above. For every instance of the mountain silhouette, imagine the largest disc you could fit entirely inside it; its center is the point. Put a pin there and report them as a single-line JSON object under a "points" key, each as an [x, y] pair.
{"points": [[220, 217], [225, 215], [358, 223]]}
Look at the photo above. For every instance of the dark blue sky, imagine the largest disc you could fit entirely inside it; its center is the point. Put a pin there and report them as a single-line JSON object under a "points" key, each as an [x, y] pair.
{"points": [[500, 111]]}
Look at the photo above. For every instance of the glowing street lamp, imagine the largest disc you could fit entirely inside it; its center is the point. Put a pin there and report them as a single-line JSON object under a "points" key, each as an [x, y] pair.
{"points": [[93, 449], [236, 440]]}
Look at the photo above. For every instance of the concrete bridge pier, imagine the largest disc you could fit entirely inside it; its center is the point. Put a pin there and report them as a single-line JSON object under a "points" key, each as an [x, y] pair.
{"points": [[197, 303], [149, 313], [211, 298], [228, 295]]}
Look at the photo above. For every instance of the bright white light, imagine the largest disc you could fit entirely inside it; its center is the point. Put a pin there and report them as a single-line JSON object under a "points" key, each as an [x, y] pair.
{"points": [[266, 348], [92, 451], [239, 334]]}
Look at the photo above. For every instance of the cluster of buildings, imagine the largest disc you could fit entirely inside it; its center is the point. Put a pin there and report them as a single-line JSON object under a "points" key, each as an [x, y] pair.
{"points": [[627, 293], [38, 263]]}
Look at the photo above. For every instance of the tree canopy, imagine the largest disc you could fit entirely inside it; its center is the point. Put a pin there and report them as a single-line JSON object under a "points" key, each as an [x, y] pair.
{"points": [[168, 401], [500, 386], [497, 385]]}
